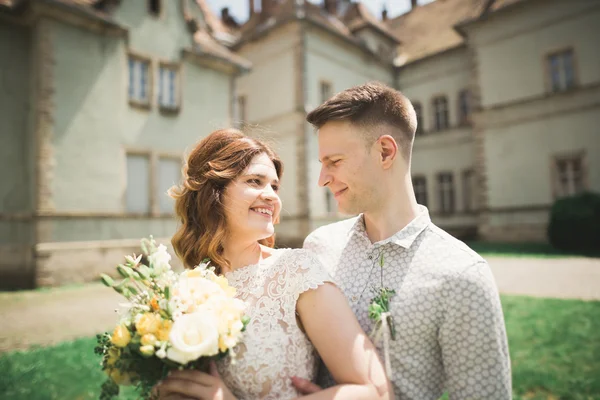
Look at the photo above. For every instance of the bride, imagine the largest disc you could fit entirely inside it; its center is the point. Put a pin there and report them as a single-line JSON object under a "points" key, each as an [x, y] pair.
{"points": [[228, 205]]}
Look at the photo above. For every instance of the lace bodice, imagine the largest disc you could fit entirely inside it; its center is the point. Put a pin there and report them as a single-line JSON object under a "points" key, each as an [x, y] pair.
{"points": [[273, 348]]}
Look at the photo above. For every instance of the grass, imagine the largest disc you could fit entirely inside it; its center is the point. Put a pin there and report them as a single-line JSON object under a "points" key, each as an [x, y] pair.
{"points": [[536, 250], [554, 345]]}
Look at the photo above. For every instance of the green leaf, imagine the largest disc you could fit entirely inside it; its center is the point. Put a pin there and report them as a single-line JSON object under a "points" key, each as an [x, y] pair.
{"points": [[123, 271], [107, 280]]}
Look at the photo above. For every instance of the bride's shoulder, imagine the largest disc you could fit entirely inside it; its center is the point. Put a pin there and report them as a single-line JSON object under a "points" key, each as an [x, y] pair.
{"points": [[297, 255]]}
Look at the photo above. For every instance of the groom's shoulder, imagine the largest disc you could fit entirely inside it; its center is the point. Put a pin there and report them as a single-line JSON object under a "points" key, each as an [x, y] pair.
{"points": [[337, 230], [457, 253]]}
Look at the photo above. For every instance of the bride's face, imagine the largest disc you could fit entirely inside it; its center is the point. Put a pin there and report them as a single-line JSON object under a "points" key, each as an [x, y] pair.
{"points": [[251, 201]]}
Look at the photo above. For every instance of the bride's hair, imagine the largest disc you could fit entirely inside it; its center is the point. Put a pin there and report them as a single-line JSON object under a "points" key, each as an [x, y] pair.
{"points": [[216, 161]]}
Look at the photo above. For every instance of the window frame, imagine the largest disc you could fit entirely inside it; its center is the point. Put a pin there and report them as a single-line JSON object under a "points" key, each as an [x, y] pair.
{"points": [[178, 86], [440, 193], [136, 57], [425, 193], [464, 119], [322, 83], [446, 113], [555, 159], [153, 166], [548, 70]]}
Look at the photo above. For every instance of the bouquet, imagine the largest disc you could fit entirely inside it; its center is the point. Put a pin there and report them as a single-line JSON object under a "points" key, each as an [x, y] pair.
{"points": [[170, 321]]}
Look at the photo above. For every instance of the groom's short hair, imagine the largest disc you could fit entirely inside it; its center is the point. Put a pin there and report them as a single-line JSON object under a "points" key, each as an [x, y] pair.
{"points": [[371, 106]]}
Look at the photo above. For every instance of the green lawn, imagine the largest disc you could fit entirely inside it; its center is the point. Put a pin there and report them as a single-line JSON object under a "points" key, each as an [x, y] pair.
{"points": [[537, 250], [554, 345]]}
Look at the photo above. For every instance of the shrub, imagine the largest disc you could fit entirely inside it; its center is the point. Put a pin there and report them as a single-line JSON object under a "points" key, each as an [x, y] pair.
{"points": [[575, 223]]}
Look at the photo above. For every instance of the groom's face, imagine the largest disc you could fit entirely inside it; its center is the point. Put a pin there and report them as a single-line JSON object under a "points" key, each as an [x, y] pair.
{"points": [[348, 167]]}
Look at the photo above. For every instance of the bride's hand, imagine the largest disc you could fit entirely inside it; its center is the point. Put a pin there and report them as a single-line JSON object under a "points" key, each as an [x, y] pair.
{"points": [[191, 384]]}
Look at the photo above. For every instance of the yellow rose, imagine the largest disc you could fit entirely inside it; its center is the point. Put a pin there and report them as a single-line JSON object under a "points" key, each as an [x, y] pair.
{"points": [[148, 323], [148, 339], [222, 282], [193, 273], [120, 336], [163, 333]]}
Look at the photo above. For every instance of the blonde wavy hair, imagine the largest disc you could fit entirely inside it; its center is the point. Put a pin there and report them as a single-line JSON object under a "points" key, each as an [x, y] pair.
{"points": [[216, 161]]}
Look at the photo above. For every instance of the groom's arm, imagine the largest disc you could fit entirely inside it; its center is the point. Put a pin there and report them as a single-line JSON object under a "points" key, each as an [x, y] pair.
{"points": [[473, 337]]}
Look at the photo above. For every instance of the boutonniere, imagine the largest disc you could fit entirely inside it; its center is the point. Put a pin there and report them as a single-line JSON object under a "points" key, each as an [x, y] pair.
{"points": [[379, 313]]}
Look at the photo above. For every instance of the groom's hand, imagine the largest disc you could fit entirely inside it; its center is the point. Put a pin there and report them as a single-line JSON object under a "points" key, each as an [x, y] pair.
{"points": [[305, 386]]}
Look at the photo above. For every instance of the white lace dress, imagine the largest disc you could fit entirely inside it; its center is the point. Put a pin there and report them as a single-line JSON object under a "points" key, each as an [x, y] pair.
{"points": [[274, 348]]}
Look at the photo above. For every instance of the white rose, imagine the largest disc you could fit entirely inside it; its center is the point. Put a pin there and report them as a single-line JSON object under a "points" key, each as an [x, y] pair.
{"points": [[193, 336], [160, 259], [194, 291]]}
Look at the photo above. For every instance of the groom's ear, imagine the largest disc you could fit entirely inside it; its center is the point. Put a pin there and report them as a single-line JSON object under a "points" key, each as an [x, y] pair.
{"points": [[387, 147]]}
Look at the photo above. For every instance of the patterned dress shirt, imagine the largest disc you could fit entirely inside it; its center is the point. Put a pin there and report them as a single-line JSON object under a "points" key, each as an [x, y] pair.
{"points": [[450, 332]]}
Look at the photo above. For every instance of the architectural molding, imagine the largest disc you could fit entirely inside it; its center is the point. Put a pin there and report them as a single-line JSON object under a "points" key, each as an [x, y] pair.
{"points": [[540, 106], [300, 84]]}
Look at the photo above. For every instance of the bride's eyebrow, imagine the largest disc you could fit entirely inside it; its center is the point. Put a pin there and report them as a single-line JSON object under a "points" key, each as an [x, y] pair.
{"points": [[261, 176]]}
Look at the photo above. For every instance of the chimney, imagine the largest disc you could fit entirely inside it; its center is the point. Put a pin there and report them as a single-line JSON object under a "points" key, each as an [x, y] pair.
{"points": [[250, 8], [225, 13], [413, 4], [331, 6], [384, 14]]}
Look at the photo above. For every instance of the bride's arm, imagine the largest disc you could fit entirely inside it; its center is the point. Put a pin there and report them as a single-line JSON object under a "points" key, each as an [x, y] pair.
{"points": [[343, 346]]}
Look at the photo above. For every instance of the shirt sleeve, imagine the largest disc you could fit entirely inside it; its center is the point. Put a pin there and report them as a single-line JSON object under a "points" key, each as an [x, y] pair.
{"points": [[473, 337]]}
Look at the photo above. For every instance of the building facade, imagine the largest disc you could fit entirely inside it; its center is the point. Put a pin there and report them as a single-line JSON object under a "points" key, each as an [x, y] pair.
{"points": [[100, 99]]}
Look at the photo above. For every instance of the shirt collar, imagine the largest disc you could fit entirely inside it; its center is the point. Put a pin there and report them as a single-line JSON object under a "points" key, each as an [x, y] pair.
{"points": [[403, 238]]}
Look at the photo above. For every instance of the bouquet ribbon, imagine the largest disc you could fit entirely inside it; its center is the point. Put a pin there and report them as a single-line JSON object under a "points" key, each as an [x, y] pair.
{"points": [[383, 328]]}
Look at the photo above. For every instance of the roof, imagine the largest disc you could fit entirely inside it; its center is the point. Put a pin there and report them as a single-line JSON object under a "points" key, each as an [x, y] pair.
{"points": [[342, 25], [432, 28], [429, 29], [358, 17], [214, 23], [85, 8], [205, 44]]}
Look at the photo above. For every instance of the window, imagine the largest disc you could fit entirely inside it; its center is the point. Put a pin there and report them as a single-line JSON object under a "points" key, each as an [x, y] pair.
{"points": [[419, 111], [169, 174], [562, 70], [241, 110], [468, 178], [464, 107], [149, 177], [569, 175], [139, 84], [446, 192], [168, 87], [330, 202], [326, 91], [420, 188], [137, 196], [440, 109], [154, 7]]}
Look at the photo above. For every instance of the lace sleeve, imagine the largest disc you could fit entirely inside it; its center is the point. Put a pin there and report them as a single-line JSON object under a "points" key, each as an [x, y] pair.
{"points": [[306, 272]]}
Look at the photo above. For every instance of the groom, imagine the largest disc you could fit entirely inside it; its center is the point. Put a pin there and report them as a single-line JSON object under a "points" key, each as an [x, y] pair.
{"points": [[450, 333]]}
